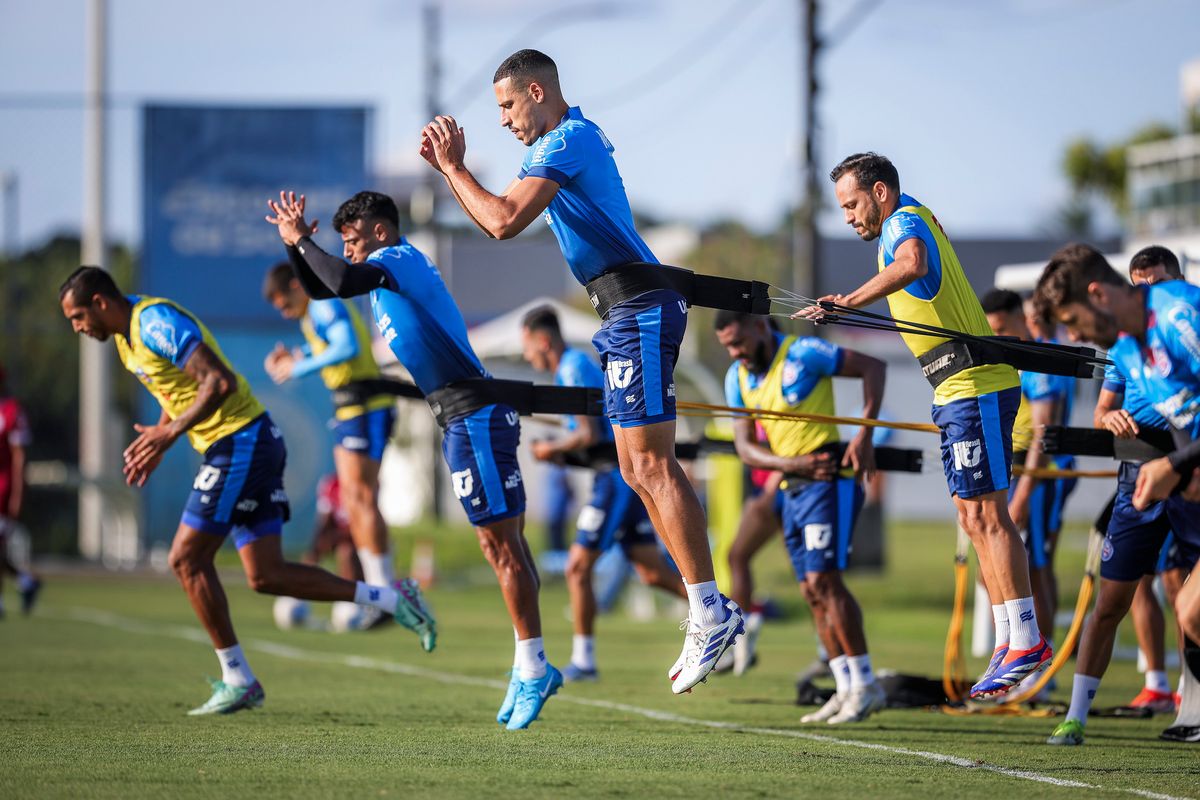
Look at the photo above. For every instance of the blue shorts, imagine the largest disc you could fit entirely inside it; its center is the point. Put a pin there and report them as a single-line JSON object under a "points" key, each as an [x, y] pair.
{"points": [[1045, 514], [977, 441], [638, 345], [1134, 539], [240, 485], [367, 433], [614, 514], [481, 450], [818, 524]]}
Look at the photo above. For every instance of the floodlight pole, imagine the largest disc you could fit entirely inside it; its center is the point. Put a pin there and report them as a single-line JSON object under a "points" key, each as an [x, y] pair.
{"points": [[96, 461], [805, 236], [425, 211]]}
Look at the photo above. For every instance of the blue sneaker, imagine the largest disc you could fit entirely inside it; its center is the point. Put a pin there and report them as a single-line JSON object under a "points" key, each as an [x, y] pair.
{"points": [[531, 696], [573, 674], [1014, 667], [510, 698]]}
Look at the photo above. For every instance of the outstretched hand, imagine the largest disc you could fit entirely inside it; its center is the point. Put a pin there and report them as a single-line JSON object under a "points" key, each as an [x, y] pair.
{"points": [[443, 143], [817, 313], [289, 218], [146, 452]]}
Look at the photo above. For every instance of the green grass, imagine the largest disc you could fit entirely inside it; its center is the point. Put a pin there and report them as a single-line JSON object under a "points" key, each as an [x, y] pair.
{"points": [[92, 710]]}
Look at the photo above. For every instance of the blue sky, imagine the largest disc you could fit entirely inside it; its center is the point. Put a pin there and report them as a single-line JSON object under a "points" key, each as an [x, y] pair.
{"points": [[972, 100]]}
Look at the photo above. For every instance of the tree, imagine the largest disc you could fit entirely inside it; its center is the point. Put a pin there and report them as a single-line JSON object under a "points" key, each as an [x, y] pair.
{"points": [[1098, 172]]}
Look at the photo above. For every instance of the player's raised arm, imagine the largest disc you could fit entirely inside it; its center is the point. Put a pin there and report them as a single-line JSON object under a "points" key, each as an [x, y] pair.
{"points": [[322, 275]]}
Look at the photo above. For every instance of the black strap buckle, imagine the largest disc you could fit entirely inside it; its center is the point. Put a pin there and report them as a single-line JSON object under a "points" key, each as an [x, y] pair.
{"points": [[627, 281]]}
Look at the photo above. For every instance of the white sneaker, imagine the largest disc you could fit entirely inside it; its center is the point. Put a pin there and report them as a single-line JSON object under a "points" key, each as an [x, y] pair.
{"points": [[743, 649], [704, 646], [860, 703], [832, 706], [677, 667]]}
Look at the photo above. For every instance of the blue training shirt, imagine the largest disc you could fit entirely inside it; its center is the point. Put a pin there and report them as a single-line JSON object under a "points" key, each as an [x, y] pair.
{"points": [[1164, 365], [590, 214], [808, 360], [576, 368], [167, 332], [1133, 401], [331, 323], [419, 320], [902, 226]]}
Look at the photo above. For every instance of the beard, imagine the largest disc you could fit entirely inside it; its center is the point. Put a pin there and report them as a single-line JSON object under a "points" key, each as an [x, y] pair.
{"points": [[872, 222], [1106, 330]]}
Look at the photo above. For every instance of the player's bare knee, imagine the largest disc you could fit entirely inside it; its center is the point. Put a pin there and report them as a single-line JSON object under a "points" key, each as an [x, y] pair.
{"points": [[184, 565], [578, 571], [264, 581], [824, 585]]}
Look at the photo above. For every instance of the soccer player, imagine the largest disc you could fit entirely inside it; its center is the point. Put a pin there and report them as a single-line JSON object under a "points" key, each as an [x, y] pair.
{"points": [[421, 324], [14, 438], [923, 282], [1151, 334], [1036, 505], [239, 487], [614, 515], [822, 494], [570, 178], [339, 347]]}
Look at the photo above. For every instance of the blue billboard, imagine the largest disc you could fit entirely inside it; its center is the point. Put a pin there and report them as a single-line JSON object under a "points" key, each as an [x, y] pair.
{"points": [[207, 174]]}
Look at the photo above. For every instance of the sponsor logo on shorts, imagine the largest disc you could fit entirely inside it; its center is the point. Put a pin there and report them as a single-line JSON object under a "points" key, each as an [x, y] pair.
{"points": [[620, 373], [590, 519], [967, 454], [671, 390], [683, 306], [206, 478], [247, 505], [511, 418], [1106, 552], [279, 496], [205, 498], [355, 442], [631, 398], [463, 482], [512, 481], [818, 535]]}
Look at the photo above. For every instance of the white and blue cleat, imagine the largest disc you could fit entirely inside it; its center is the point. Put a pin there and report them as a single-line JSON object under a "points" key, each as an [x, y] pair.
{"points": [[531, 696], [574, 674], [703, 647]]}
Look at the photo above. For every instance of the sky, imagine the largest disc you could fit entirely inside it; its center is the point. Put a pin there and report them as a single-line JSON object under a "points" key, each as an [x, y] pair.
{"points": [[973, 101]]}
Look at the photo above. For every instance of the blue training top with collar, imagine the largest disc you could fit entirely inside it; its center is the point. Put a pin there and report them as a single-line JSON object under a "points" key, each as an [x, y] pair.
{"points": [[590, 213], [808, 360], [419, 320]]}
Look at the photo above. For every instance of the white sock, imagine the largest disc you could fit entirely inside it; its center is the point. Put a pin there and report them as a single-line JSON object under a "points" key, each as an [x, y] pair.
{"points": [[1022, 624], [374, 571], [531, 659], [860, 671], [1083, 692], [381, 597], [1000, 618], [822, 653], [516, 650], [234, 669], [841, 674], [704, 603], [389, 568], [583, 651], [1156, 680]]}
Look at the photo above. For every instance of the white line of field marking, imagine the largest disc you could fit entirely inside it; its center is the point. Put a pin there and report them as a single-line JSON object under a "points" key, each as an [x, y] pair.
{"points": [[192, 634]]}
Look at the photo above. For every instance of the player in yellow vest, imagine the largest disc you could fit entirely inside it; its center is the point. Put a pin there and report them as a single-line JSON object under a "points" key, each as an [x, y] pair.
{"points": [[339, 347], [239, 487], [923, 282], [822, 498]]}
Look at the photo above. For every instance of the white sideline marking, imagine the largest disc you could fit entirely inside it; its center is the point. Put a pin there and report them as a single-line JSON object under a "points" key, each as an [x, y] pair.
{"points": [[192, 634]]}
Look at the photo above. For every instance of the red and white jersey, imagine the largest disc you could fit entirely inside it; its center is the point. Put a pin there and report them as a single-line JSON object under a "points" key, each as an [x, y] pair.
{"points": [[329, 501], [14, 432]]}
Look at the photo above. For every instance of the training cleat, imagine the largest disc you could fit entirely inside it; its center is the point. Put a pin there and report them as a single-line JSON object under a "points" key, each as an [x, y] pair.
{"points": [[677, 667], [832, 706], [574, 674], [725, 662], [412, 613], [1158, 702], [703, 647], [859, 704], [29, 588], [1067, 733], [743, 649], [1013, 667], [227, 699], [510, 699], [1181, 733], [531, 696]]}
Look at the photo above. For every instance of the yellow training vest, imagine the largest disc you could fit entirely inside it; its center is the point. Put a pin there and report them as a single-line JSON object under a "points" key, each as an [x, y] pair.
{"points": [[175, 390], [789, 437], [361, 367], [956, 307]]}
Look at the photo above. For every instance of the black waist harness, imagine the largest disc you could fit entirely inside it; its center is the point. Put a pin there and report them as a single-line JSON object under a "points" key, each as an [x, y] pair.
{"points": [[358, 393], [1149, 444], [627, 281], [463, 397], [887, 459], [956, 355]]}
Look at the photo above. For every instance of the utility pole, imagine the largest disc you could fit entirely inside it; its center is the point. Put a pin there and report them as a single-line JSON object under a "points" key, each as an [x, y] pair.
{"points": [[805, 238], [9, 184], [95, 375]]}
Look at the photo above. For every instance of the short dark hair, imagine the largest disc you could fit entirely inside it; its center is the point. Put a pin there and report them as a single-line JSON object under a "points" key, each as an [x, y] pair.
{"points": [[868, 168], [545, 319], [1153, 256], [1067, 277], [525, 66], [997, 300], [278, 279], [87, 282], [725, 318], [368, 207]]}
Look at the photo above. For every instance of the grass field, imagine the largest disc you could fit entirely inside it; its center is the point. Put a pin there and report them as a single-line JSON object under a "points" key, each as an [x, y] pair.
{"points": [[96, 684]]}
